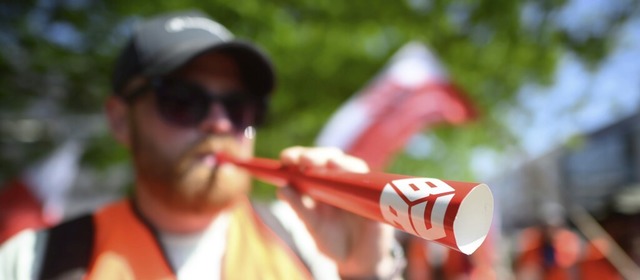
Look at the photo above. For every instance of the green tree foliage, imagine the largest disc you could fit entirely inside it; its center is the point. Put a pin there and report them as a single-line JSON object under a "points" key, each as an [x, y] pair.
{"points": [[57, 54]]}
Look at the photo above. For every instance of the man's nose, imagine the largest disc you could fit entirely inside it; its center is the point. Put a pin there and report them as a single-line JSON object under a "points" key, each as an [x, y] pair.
{"points": [[217, 120]]}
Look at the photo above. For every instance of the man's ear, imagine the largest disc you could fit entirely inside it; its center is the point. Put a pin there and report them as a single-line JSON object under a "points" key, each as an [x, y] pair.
{"points": [[118, 117]]}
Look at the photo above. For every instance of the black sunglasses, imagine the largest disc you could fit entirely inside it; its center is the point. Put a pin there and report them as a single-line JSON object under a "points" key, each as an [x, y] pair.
{"points": [[187, 104]]}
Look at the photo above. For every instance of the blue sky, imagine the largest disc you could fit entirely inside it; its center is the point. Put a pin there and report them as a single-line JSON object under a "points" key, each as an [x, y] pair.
{"points": [[580, 100]]}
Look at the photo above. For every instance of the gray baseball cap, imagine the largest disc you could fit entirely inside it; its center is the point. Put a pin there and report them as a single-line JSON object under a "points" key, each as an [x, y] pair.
{"points": [[166, 42]]}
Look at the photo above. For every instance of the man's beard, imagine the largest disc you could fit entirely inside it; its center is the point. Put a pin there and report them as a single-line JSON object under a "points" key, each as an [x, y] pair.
{"points": [[189, 182]]}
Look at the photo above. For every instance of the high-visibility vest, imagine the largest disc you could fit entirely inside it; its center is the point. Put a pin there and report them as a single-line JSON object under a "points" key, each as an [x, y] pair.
{"points": [[556, 258], [125, 247]]}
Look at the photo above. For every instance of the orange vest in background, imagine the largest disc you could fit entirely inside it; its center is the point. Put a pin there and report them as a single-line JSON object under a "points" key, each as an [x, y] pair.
{"points": [[125, 248], [595, 265], [556, 260]]}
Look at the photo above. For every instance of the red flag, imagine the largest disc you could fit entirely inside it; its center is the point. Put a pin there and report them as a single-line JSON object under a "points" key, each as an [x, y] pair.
{"points": [[19, 210], [411, 93], [36, 198]]}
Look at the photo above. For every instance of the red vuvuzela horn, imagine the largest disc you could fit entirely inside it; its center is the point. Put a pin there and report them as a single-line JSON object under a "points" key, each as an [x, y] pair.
{"points": [[455, 214]]}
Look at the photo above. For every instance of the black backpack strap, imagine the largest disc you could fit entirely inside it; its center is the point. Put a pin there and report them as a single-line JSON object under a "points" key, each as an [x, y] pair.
{"points": [[68, 249], [272, 222]]}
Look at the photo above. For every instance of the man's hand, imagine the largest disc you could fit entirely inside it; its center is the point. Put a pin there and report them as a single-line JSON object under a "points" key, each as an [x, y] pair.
{"points": [[360, 247]]}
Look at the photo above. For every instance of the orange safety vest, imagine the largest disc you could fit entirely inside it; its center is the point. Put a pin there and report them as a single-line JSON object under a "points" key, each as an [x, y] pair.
{"points": [[566, 251], [125, 248]]}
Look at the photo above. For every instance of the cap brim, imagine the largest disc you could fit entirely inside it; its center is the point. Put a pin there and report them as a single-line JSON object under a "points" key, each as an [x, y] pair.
{"points": [[256, 69]]}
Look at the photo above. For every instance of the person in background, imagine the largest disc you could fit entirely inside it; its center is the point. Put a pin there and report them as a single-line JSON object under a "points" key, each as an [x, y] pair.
{"points": [[427, 260], [548, 249], [184, 90]]}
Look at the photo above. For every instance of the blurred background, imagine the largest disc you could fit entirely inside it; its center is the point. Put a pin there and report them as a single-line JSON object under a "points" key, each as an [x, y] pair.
{"points": [[538, 99]]}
